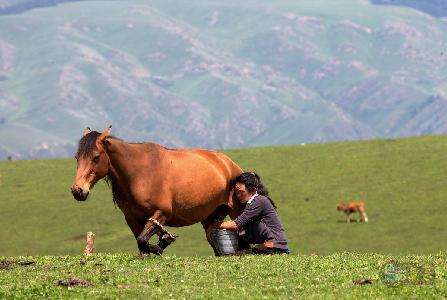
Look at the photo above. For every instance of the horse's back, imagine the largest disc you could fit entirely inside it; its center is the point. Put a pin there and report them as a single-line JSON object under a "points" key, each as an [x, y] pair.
{"points": [[205, 160], [356, 206], [200, 181]]}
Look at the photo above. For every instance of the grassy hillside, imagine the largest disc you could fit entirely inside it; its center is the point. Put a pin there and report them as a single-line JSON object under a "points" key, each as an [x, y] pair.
{"points": [[403, 183], [339, 276], [182, 73]]}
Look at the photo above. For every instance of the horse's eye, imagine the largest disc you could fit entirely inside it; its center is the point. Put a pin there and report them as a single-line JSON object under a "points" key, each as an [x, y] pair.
{"points": [[96, 159]]}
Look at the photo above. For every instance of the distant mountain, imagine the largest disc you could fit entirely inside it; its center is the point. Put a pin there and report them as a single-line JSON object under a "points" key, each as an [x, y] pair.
{"points": [[217, 74], [8, 7], [437, 8]]}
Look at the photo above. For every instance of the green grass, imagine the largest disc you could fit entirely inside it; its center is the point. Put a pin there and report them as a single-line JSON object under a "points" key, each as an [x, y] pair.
{"points": [[251, 277], [403, 183]]}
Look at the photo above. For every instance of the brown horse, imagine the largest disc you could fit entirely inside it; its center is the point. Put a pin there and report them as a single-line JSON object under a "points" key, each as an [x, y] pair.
{"points": [[352, 207], [155, 186]]}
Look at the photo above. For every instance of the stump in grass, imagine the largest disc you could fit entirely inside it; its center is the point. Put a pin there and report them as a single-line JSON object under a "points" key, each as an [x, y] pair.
{"points": [[89, 244]]}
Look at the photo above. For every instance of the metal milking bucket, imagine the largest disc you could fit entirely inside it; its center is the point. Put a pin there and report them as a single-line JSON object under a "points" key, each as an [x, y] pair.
{"points": [[226, 241]]}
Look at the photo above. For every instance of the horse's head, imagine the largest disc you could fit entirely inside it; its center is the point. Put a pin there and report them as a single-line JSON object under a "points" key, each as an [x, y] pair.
{"points": [[341, 206], [93, 162]]}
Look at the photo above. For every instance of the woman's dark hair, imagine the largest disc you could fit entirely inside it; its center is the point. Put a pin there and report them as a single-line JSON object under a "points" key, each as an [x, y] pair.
{"points": [[253, 183]]}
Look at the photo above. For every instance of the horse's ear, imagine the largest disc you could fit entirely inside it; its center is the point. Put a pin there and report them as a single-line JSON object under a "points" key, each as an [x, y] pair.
{"points": [[103, 136], [87, 130]]}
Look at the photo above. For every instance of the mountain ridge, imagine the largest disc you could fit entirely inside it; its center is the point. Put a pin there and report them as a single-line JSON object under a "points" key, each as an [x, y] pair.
{"points": [[218, 75]]}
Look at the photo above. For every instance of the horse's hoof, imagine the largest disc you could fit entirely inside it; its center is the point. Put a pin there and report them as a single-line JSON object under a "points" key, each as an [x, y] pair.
{"points": [[155, 249], [143, 255], [168, 238]]}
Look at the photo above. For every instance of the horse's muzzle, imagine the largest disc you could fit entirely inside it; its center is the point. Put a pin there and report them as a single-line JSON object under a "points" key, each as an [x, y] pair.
{"points": [[79, 194]]}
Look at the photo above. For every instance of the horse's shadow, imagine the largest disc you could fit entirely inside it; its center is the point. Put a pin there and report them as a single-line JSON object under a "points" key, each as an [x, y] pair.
{"points": [[351, 221]]}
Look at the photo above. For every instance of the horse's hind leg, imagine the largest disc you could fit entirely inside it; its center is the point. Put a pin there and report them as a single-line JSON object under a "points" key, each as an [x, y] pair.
{"points": [[206, 223], [218, 215]]}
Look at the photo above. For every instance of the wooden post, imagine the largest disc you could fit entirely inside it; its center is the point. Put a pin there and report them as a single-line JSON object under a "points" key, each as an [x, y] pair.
{"points": [[89, 244]]}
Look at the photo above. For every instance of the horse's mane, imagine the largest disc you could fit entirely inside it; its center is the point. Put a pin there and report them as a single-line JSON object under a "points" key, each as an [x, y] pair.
{"points": [[87, 144], [110, 182]]}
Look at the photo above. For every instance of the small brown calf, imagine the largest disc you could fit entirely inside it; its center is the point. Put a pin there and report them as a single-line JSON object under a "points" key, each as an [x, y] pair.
{"points": [[352, 207]]}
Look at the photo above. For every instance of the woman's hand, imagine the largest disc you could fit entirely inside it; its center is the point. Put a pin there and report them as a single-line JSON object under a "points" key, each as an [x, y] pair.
{"points": [[229, 225], [218, 224]]}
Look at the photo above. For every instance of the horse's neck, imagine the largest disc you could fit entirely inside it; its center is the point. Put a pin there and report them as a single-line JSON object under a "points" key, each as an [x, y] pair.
{"points": [[126, 159]]}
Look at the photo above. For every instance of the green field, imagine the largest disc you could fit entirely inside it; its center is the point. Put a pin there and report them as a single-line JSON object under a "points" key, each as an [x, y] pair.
{"points": [[403, 182], [338, 276]]}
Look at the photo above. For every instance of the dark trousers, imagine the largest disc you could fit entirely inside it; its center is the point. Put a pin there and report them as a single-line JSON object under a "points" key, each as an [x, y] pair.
{"points": [[256, 233], [253, 233]]}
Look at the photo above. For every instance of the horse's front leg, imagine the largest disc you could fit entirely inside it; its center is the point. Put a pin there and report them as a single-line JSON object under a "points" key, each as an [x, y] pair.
{"points": [[365, 217], [358, 217], [143, 240], [155, 226], [137, 229], [165, 238]]}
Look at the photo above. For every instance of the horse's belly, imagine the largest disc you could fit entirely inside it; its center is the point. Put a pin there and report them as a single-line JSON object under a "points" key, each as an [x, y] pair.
{"points": [[194, 211], [180, 222]]}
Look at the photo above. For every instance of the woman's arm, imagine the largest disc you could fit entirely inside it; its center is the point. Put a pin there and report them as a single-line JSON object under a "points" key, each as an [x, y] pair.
{"points": [[229, 225], [248, 215], [251, 212]]}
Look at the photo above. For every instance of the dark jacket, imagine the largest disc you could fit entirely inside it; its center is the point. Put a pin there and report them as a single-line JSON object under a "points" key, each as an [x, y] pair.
{"points": [[261, 223]]}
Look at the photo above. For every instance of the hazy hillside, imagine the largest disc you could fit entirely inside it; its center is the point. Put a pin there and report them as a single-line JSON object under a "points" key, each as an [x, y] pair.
{"points": [[217, 74], [20, 6], [437, 8]]}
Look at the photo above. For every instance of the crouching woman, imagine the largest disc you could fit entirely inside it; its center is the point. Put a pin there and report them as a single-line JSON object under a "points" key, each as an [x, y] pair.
{"points": [[259, 221]]}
